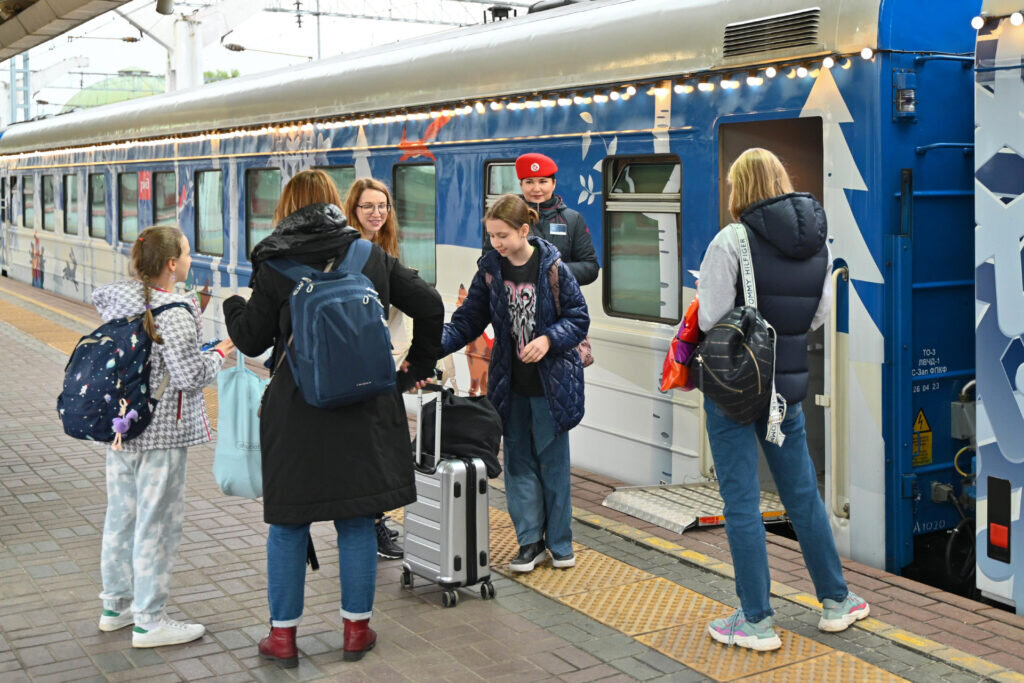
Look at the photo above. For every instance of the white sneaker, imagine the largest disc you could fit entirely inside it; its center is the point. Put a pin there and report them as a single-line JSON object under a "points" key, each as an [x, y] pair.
{"points": [[112, 621], [166, 632]]}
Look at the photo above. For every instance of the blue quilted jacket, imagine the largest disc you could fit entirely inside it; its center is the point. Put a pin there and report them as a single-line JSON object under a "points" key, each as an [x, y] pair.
{"points": [[561, 372]]}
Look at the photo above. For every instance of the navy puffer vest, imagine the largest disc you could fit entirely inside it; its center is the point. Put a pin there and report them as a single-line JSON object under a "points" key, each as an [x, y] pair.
{"points": [[787, 243]]}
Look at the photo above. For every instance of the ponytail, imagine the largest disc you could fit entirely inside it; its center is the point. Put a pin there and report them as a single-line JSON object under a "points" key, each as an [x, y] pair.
{"points": [[152, 250]]}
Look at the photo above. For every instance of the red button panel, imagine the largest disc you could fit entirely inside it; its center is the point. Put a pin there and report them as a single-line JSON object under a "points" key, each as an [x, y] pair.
{"points": [[998, 535]]}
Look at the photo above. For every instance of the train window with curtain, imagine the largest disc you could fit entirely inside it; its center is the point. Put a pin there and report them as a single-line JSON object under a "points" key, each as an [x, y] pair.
{"points": [[71, 205], [415, 189], [642, 238], [262, 192], [499, 178], [343, 177], [97, 205], [165, 198], [210, 212], [49, 205], [128, 206], [28, 202]]}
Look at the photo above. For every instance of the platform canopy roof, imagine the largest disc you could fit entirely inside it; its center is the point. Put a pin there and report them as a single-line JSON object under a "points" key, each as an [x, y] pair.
{"points": [[27, 23]]}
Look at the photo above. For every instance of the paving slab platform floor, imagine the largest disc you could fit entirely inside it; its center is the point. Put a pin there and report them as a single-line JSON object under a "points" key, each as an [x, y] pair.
{"points": [[633, 609]]}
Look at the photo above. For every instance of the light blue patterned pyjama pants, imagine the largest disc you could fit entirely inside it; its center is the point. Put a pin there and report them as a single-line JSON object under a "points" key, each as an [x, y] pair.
{"points": [[145, 509]]}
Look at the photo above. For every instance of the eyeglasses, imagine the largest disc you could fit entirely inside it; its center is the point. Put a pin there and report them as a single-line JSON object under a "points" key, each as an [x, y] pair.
{"points": [[371, 208]]}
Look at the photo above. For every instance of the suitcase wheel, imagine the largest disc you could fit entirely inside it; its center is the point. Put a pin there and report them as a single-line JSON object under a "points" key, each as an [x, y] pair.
{"points": [[486, 590], [406, 578], [450, 598]]}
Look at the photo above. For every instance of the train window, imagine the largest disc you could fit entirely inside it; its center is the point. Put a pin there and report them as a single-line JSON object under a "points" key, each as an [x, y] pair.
{"points": [[97, 205], [343, 177], [128, 206], [499, 178], [210, 212], [415, 206], [643, 261], [262, 192], [28, 202], [49, 205], [165, 198], [10, 201], [71, 205]]}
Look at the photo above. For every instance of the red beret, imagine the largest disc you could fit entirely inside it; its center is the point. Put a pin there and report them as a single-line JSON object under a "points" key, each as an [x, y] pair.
{"points": [[535, 165]]}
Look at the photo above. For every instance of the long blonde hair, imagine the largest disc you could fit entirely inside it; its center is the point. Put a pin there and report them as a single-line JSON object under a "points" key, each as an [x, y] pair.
{"points": [[756, 175], [387, 236], [311, 186], [152, 250]]}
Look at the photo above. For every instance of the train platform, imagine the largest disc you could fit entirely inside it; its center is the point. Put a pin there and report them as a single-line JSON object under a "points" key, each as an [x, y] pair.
{"points": [[634, 608]]}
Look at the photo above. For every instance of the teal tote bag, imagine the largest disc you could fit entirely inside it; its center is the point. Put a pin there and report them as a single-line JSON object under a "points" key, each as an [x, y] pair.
{"points": [[237, 465]]}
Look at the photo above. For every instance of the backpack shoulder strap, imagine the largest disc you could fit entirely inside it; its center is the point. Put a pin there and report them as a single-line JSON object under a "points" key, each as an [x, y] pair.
{"points": [[293, 270], [746, 265], [555, 285], [160, 309], [357, 256]]}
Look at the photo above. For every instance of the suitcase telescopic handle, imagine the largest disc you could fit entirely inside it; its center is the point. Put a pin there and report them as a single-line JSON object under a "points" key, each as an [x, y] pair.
{"points": [[437, 425]]}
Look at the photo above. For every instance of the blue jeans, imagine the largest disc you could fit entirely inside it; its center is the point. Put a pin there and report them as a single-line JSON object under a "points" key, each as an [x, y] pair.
{"points": [[286, 569], [734, 450], [537, 485]]}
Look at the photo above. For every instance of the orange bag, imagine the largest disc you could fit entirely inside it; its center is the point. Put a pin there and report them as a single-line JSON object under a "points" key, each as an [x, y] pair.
{"points": [[675, 373]]}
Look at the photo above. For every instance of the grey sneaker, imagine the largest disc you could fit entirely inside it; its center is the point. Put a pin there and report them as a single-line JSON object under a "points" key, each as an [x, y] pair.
{"points": [[736, 630], [839, 616]]}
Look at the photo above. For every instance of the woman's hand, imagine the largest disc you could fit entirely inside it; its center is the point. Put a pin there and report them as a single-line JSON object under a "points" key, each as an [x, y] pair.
{"points": [[536, 349], [225, 347], [404, 367]]}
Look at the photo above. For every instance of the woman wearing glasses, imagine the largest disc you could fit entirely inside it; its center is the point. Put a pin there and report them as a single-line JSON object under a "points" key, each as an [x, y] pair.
{"points": [[368, 209]]}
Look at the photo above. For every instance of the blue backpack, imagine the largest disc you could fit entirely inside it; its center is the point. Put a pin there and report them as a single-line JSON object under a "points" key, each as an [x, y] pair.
{"points": [[340, 348], [107, 378]]}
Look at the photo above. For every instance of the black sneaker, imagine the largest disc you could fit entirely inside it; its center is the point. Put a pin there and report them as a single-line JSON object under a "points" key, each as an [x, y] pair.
{"points": [[562, 562], [392, 532], [529, 556], [387, 548]]}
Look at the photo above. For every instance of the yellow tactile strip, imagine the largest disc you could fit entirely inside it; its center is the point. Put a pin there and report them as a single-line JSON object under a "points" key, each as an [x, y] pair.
{"points": [[645, 606], [835, 666]]}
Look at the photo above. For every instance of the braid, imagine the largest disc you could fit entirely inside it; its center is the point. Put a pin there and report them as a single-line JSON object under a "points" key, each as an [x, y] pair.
{"points": [[149, 322]]}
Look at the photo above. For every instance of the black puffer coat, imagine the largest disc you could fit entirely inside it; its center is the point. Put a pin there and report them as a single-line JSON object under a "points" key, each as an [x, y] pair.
{"points": [[321, 464]]}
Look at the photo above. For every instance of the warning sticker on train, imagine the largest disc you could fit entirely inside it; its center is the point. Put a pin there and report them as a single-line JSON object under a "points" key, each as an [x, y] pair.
{"points": [[922, 440]]}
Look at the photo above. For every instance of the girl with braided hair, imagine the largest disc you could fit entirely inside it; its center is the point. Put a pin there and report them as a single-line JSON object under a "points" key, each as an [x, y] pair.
{"points": [[146, 477]]}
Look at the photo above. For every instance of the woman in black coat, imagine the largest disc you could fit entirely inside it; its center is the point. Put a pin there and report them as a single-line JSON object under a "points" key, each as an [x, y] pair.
{"points": [[344, 464]]}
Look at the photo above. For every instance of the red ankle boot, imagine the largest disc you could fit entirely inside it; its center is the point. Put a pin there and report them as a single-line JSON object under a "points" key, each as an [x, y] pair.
{"points": [[359, 639], [280, 646]]}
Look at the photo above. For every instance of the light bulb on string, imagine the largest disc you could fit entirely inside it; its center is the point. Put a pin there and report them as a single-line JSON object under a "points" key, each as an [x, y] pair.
{"points": [[867, 53], [705, 86], [614, 95], [978, 22], [1017, 18], [801, 71], [753, 80], [771, 72], [828, 62], [630, 90]]}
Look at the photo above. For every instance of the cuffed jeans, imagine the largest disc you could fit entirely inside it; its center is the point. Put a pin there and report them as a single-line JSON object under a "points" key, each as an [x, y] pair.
{"points": [[145, 509], [286, 569], [537, 485], [734, 450]]}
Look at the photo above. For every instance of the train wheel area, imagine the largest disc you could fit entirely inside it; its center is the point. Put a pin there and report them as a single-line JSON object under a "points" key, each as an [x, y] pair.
{"points": [[636, 605]]}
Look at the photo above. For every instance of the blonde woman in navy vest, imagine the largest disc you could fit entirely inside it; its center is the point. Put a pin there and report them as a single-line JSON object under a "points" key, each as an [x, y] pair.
{"points": [[792, 268]]}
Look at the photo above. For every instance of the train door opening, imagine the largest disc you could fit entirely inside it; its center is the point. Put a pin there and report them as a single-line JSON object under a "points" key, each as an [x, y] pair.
{"points": [[798, 143]]}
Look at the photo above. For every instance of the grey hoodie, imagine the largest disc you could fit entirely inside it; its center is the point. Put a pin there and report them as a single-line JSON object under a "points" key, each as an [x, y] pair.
{"points": [[180, 417]]}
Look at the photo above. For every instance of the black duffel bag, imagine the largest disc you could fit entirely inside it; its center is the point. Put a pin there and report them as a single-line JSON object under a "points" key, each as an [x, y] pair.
{"points": [[735, 364], [470, 428]]}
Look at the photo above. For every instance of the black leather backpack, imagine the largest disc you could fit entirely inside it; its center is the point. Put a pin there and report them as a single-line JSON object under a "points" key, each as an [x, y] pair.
{"points": [[735, 363]]}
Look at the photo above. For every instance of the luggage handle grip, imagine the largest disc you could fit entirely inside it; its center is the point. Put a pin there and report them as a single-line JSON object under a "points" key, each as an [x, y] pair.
{"points": [[418, 456]]}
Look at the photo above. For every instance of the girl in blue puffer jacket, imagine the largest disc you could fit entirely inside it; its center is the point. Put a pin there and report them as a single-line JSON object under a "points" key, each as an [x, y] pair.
{"points": [[539, 317]]}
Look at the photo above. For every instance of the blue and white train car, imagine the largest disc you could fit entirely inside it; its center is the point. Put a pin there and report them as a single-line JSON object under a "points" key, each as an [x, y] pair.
{"points": [[643, 104]]}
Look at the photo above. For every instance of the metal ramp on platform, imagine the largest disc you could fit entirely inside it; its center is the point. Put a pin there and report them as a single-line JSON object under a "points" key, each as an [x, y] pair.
{"points": [[680, 507]]}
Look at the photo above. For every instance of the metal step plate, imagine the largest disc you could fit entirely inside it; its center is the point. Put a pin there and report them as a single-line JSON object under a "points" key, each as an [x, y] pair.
{"points": [[679, 507]]}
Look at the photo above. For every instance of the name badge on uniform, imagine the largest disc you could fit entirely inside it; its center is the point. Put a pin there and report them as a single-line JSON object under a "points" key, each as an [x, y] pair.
{"points": [[557, 228]]}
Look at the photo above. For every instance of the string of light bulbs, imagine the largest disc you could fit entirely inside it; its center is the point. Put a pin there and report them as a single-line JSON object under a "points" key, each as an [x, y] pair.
{"points": [[701, 81]]}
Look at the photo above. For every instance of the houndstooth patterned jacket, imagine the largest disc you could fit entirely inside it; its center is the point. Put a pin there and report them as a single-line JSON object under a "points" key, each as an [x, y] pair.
{"points": [[180, 417]]}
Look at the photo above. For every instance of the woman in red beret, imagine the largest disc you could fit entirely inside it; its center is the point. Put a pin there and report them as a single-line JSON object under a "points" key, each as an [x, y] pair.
{"points": [[558, 224]]}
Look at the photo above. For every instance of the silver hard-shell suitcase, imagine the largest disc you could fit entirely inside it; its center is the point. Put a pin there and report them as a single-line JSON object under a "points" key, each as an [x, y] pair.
{"points": [[447, 529]]}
